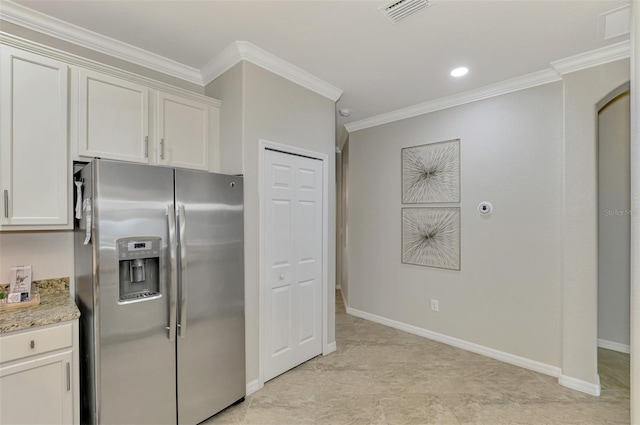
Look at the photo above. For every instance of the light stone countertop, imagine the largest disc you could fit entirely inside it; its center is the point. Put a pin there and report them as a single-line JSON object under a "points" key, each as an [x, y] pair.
{"points": [[56, 305]]}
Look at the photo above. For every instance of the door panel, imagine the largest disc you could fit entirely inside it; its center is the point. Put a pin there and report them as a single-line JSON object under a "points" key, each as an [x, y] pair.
{"points": [[34, 168], [307, 303], [281, 320], [292, 188], [309, 259], [210, 349], [281, 226], [136, 379], [183, 127], [113, 118], [36, 392], [306, 213]]}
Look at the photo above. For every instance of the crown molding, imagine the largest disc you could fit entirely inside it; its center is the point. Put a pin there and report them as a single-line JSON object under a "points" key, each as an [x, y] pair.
{"points": [[508, 86], [244, 50], [79, 61], [557, 69], [220, 64], [593, 58], [237, 51], [36, 21]]}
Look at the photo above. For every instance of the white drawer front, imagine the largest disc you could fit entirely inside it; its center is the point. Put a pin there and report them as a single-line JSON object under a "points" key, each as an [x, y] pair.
{"points": [[34, 342]]}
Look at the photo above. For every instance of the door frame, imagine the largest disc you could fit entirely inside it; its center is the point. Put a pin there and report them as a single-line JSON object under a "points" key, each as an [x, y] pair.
{"points": [[263, 145]]}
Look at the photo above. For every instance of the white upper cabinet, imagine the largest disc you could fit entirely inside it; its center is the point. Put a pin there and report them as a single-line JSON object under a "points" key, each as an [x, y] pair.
{"points": [[128, 121], [183, 130], [35, 171], [113, 118]]}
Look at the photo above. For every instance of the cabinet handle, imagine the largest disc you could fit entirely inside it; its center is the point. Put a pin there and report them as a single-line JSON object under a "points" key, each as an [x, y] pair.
{"points": [[68, 376], [162, 148], [6, 203], [146, 146], [32, 344]]}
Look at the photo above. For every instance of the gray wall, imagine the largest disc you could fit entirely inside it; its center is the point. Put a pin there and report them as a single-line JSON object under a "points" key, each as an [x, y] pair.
{"points": [[229, 86], [507, 295], [343, 252], [583, 90], [345, 224], [614, 218], [280, 111]]}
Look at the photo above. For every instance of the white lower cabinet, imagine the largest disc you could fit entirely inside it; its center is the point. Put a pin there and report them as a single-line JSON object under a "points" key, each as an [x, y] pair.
{"points": [[38, 376]]}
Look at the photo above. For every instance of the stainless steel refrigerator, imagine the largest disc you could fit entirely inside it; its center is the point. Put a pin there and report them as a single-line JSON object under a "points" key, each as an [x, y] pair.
{"points": [[160, 285]]}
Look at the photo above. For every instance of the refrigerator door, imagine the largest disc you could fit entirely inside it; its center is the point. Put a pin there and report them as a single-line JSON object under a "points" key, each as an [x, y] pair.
{"points": [[210, 349], [83, 264], [135, 361]]}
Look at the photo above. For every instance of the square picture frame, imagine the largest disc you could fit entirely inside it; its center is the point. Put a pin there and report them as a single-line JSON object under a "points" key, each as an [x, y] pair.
{"points": [[431, 173], [431, 237]]}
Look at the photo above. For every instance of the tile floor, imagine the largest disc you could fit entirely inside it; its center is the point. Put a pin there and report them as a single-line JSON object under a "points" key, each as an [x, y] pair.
{"points": [[380, 375]]}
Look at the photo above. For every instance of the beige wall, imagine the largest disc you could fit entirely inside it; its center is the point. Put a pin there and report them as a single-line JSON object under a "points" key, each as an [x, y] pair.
{"points": [[230, 87], [507, 295], [582, 92], [343, 252], [280, 111], [50, 254], [614, 214]]}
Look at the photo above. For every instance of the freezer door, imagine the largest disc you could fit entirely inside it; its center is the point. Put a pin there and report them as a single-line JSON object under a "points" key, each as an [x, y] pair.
{"points": [[210, 349], [135, 359]]}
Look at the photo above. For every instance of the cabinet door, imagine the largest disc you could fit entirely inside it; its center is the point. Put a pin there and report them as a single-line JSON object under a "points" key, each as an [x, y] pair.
{"points": [[34, 156], [37, 391], [183, 132], [113, 117]]}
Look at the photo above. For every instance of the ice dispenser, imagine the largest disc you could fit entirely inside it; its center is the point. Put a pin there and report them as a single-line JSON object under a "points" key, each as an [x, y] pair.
{"points": [[139, 259]]}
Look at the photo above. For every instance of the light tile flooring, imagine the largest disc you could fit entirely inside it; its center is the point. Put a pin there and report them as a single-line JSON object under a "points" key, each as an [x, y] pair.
{"points": [[380, 375]]}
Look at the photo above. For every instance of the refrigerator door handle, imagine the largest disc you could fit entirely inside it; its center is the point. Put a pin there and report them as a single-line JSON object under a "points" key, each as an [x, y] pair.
{"points": [[182, 222], [173, 271]]}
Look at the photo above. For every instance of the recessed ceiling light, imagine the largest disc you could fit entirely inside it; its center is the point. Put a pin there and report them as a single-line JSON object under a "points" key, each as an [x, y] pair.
{"points": [[344, 112], [459, 72]]}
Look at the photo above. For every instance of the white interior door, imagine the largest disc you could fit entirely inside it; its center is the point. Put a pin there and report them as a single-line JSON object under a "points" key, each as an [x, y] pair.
{"points": [[292, 190]]}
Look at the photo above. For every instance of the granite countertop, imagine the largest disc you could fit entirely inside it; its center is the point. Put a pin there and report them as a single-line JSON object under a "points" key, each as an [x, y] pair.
{"points": [[56, 305]]}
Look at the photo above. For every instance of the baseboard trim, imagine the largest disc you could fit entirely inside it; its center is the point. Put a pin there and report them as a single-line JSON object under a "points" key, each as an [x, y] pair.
{"points": [[459, 343], [615, 346], [330, 348], [580, 385], [253, 386], [344, 300]]}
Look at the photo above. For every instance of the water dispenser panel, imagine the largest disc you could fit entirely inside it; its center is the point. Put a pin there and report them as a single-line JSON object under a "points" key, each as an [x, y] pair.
{"points": [[139, 268]]}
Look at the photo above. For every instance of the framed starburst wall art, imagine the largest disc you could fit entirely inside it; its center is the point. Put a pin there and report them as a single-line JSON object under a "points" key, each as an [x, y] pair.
{"points": [[431, 173], [431, 237]]}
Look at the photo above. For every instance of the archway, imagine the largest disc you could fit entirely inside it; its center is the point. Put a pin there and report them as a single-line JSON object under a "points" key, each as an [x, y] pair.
{"points": [[614, 232]]}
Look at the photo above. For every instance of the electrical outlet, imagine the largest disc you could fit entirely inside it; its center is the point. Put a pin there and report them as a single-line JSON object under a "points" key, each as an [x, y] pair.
{"points": [[434, 305]]}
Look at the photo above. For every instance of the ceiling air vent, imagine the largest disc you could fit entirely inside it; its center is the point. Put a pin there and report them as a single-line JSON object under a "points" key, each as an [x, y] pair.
{"points": [[399, 10]]}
